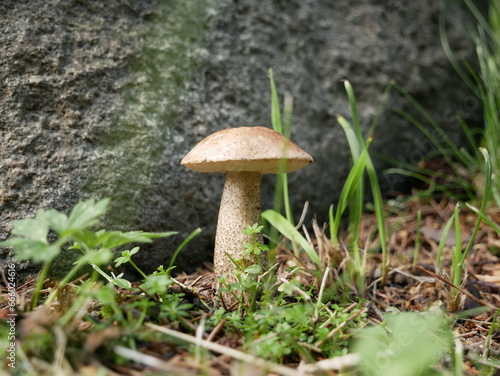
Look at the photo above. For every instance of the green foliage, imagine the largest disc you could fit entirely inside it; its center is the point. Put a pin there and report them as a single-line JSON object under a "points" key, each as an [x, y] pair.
{"points": [[118, 303], [408, 344], [351, 196], [485, 86], [248, 287], [34, 241], [290, 232], [126, 257], [256, 247], [459, 255], [358, 145], [277, 329], [173, 308]]}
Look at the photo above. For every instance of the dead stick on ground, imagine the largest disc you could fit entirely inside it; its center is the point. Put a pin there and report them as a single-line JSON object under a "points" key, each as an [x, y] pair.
{"points": [[472, 297], [212, 346], [334, 363]]}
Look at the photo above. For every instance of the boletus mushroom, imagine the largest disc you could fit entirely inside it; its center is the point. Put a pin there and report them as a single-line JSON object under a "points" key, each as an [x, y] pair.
{"points": [[243, 154]]}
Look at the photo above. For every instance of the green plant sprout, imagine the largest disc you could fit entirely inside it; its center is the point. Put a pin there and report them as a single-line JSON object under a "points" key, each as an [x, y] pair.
{"points": [[32, 242], [32, 236], [459, 256], [248, 287], [126, 257], [255, 247]]}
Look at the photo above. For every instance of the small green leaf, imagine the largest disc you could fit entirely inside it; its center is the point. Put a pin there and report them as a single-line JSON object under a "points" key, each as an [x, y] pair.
{"points": [[113, 239], [275, 107], [89, 238], [101, 257], [134, 251], [57, 220], [253, 269], [249, 248], [122, 282], [126, 256], [33, 228], [157, 283], [85, 214], [37, 251]]}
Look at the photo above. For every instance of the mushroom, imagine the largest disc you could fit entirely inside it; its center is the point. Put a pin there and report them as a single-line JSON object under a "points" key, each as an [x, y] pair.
{"points": [[243, 154]]}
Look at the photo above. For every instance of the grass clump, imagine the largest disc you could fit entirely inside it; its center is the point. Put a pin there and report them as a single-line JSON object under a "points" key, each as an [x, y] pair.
{"points": [[465, 180]]}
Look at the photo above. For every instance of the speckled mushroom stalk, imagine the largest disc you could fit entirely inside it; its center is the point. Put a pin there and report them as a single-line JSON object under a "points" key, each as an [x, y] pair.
{"points": [[240, 207], [243, 154]]}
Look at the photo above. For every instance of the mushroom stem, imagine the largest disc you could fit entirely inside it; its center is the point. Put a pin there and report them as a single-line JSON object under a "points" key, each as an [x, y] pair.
{"points": [[240, 207]]}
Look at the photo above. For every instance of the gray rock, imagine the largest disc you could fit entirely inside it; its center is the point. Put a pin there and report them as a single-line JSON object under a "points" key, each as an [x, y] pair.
{"points": [[103, 99]]}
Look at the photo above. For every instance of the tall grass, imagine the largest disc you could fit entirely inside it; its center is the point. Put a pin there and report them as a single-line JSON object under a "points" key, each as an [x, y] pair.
{"points": [[357, 144], [281, 196], [485, 84], [352, 195]]}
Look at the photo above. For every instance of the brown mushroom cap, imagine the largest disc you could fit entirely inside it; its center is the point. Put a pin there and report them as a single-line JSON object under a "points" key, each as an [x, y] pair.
{"points": [[254, 149]]}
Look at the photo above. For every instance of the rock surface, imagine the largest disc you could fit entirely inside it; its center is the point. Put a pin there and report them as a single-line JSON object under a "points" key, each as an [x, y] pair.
{"points": [[103, 99]]}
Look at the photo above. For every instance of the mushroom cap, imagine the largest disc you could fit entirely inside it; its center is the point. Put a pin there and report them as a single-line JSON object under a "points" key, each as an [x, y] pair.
{"points": [[254, 149]]}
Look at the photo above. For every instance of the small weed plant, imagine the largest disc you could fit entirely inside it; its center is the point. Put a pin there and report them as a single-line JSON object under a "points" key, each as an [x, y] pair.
{"points": [[42, 239]]}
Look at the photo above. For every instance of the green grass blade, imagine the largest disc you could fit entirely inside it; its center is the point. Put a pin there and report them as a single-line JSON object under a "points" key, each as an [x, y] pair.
{"points": [[356, 143], [456, 267], [354, 110], [484, 217], [275, 106], [352, 193], [349, 189], [290, 232], [351, 137], [442, 242], [379, 214], [286, 199], [287, 116], [458, 358], [381, 106], [333, 225], [182, 245], [484, 203], [281, 196], [485, 25], [426, 178], [439, 130], [446, 152], [447, 49]]}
